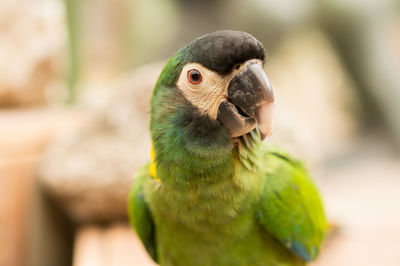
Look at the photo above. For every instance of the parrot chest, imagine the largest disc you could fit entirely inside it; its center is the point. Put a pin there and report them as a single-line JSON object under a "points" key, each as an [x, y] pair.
{"points": [[214, 223], [212, 228], [209, 218], [208, 206]]}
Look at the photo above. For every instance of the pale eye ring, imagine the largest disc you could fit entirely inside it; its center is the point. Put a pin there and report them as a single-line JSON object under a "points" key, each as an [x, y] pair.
{"points": [[194, 76]]}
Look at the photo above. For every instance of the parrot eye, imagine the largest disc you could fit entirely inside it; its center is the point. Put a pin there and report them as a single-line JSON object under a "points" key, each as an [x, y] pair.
{"points": [[194, 76]]}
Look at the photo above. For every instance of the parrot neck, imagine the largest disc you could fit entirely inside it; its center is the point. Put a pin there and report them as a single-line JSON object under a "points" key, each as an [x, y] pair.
{"points": [[194, 170], [184, 170]]}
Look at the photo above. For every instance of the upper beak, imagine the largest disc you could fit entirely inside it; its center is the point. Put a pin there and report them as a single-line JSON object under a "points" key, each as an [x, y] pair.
{"points": [[250, 103]]}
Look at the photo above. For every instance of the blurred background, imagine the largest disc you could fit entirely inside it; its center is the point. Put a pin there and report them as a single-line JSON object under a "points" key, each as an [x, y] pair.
{"points": [[75, 84]]}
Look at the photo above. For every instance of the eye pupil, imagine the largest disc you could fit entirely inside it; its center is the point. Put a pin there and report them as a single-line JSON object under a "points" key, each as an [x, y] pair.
{"points": [[194, 76]]}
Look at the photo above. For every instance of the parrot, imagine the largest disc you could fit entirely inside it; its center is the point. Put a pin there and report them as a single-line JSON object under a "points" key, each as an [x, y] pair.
{"points": [[213, 192]]}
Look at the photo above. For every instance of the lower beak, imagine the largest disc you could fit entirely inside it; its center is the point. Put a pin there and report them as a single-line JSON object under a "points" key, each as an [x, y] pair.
{"points": [[250, 103]]}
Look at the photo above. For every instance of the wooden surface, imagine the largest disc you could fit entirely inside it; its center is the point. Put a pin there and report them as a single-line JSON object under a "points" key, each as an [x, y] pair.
{"points": [[23, 137], [114, 245], [15, 192]]}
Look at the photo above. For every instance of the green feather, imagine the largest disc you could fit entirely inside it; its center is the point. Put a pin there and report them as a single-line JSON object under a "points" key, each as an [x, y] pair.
{"points": [[139, 214], [215, 201], [291, 207]]}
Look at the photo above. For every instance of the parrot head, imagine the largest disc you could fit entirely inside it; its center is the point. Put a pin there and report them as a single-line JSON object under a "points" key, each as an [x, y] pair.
{"points": [[210, 94]]}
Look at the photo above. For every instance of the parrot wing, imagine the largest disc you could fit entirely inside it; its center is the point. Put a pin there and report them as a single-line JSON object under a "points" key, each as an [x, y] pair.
{"points": [[291, 209], [139, 213]]}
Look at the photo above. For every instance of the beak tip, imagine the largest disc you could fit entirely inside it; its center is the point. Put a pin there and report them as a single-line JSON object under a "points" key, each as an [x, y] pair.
{"points": [[265, 119], [266, 134], [263, 136]]}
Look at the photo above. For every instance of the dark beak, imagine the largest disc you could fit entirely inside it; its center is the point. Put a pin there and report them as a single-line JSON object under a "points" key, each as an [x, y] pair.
{"points": [[250, 103]]}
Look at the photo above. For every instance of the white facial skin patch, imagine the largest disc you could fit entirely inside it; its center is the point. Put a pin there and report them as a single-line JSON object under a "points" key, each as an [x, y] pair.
{"points": [[212, 90]]}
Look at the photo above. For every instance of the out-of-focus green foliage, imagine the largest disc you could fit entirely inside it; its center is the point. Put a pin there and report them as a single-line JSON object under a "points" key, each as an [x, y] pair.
{"points": [[73, 17]]}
